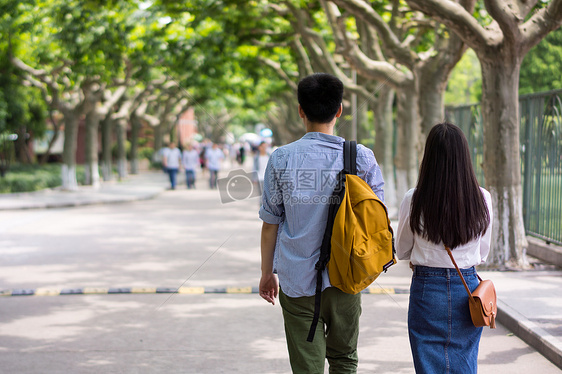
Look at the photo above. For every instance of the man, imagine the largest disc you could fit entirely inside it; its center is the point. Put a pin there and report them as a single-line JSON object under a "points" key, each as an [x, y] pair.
{"points": [[190, 159], [300, 178], [171, 161], [214, 156]]}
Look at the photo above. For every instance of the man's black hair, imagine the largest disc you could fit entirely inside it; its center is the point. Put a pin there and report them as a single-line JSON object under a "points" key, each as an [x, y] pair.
{"points": [[320, 96]]}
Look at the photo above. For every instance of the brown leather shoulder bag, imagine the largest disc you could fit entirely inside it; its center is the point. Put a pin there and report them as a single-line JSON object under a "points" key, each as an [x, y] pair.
{"points": [[482, 302]]}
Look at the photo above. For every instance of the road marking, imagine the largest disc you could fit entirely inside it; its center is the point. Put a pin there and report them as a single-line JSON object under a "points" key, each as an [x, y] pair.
{"points": [[239, 290], [155, 290], [46, 292], [93, 290], [191, 290], [378, 290]]}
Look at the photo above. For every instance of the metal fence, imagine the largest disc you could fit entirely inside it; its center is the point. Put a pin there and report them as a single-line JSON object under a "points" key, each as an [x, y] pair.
{"points": [[541, 158]]}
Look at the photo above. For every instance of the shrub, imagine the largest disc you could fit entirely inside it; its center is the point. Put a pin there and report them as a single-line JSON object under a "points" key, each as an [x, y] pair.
{"points": [[28, 178]]}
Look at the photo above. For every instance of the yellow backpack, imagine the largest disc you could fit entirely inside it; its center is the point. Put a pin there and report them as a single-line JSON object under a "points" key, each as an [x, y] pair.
{"points": [[358, 243], [362, 238]]}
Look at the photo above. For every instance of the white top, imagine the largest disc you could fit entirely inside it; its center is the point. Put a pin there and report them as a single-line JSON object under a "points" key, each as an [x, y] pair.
{"points": [[173, 157], [214, 157], [419, 251], [262, 165], [190, 159]]}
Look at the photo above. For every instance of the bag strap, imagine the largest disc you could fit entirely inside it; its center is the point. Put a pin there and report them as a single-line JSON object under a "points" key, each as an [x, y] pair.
{"points": [[460, 274], [325, 251], [349, 167], [350, 157]]}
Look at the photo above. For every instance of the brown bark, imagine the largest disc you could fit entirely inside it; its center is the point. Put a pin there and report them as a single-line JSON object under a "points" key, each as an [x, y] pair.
{"points": [[91, 149], [135, 128], [384, 136], [121, 134], [107, 142], [502, 168], [69, 181], [407, 141]]}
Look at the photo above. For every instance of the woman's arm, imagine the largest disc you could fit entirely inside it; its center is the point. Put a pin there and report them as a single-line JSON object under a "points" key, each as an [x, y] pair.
{"points": [[404, 235]]}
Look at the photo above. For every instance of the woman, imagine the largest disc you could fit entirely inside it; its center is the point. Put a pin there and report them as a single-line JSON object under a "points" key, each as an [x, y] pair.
{"points": [[447, 208]]}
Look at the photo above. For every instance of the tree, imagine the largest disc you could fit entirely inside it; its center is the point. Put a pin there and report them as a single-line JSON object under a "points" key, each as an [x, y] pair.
{"points": [[78, 49], [540, 69], [22, 111], [500, 47], [232, 71], [416, 57], [465, 84]]}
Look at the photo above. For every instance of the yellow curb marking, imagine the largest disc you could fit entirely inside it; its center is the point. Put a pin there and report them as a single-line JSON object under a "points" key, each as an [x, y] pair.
{"points": [[94, 290], [192, 290], [143, 290], [378, 291], [46, 292], [239, 290]]}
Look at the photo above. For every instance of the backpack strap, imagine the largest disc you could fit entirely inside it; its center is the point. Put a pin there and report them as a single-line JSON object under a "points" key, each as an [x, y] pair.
{"points": [[350, 157], [349, 167]]}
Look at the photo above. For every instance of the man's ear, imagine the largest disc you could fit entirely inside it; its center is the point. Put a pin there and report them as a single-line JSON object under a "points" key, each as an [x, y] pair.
{"points": [[340, 111], [301, 112]]}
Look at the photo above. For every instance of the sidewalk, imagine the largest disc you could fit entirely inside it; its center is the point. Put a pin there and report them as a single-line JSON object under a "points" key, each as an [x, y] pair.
{"points": [[530, 302], [134, 188]]}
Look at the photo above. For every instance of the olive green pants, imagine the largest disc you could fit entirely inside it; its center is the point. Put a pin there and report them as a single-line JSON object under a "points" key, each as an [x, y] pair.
{"points": [[336, 334]]}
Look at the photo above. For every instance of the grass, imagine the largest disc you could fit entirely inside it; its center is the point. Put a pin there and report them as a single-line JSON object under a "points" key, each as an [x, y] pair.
{"points": [[28, 178]]}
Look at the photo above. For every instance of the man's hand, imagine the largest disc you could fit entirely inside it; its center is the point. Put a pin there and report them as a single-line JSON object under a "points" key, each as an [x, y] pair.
{"points": [[269, 287]]}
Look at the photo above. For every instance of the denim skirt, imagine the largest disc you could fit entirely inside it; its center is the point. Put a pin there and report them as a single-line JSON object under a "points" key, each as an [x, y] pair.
{"points": [[442, 336]]}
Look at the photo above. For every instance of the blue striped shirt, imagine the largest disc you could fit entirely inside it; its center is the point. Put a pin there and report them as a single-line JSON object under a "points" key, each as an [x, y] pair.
{"points": [[299, 180]]}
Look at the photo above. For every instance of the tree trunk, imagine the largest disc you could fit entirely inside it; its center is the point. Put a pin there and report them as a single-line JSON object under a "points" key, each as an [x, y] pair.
{"points": [[91, 171], [384, 140], [502, 168], [106, 143], [69, 181], [158, 138], [22, 150], [344, 124], [431, 89], [407, 141], [363, 127], [121, 132], [135, 128]]}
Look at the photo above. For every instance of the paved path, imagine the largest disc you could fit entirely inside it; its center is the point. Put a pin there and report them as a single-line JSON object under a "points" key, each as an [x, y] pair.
{"points": [[188, 238]]}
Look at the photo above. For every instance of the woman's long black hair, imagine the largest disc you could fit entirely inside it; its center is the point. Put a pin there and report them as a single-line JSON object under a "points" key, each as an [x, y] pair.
{"points": [[447, 204]]}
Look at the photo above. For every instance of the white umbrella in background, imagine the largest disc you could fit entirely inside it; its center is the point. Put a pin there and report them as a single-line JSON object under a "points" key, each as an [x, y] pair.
{"points": [[252, 138]]}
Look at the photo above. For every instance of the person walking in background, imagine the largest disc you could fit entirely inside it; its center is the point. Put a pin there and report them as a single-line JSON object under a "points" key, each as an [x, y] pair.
{"points": [[172, 161], [202, 158], [293, 228], [446, 209], [214, 156], [260, 162], [160, 156], [242, 154], [190, 162]]}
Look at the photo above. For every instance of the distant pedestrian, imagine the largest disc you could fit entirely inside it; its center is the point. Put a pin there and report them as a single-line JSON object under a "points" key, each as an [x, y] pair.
{"points": [[159, 157], [260, 162], [172, 161], [447, 208], [203, 157], [214, 157], [242, 154], [190, 160]]}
